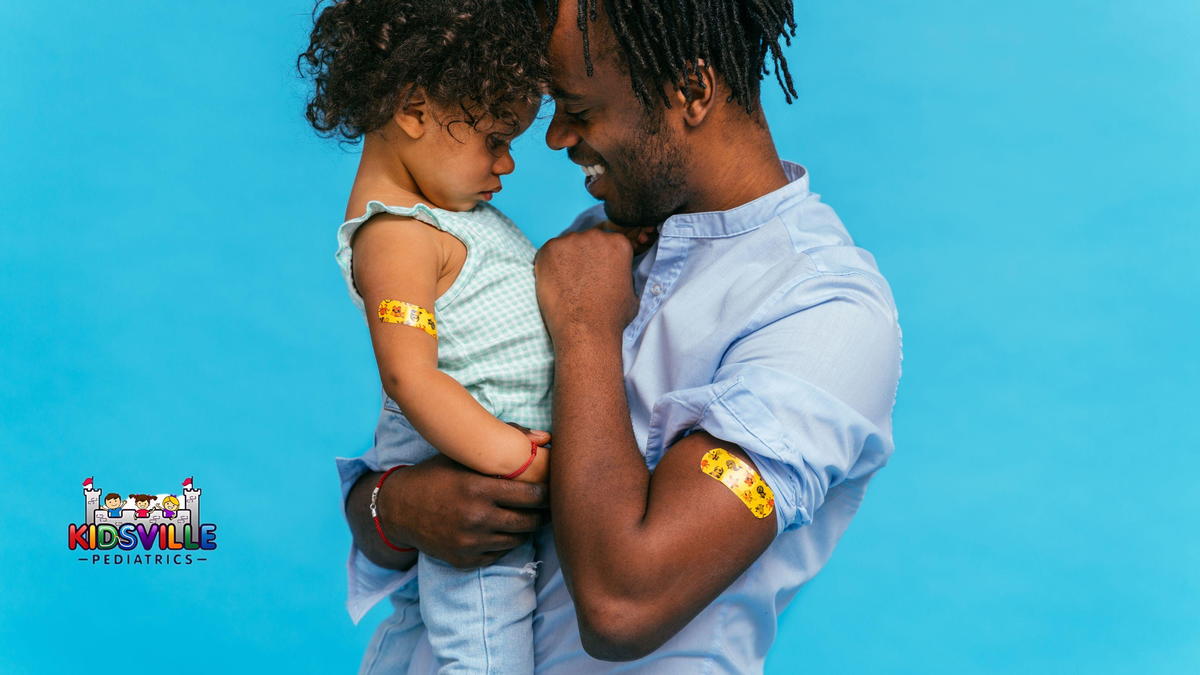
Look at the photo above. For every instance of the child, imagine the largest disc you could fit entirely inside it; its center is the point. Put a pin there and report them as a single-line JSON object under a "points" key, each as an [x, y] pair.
{"points": [[437, 91], [170, 505], [113, 502], [142, 504]]}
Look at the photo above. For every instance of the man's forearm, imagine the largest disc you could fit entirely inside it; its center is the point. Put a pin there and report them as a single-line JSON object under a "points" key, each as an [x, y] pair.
{"points": [[362, 525], [600, 478]]}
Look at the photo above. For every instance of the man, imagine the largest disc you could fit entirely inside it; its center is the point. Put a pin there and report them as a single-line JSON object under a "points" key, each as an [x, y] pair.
{"points": [[754, 333]]}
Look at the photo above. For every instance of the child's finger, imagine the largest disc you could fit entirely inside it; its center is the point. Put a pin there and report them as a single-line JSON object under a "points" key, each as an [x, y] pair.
{"points": [[536, 435]]}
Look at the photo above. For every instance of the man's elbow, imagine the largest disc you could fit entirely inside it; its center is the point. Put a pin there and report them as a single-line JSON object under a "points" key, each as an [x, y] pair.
{"points": [[618, 629]]}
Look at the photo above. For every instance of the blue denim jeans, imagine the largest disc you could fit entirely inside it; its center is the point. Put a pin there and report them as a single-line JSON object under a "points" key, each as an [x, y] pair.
{"points": [[479, 620]]}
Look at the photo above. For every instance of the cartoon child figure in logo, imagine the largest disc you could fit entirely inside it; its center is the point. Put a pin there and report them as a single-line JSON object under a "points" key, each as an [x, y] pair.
{"points": [[170, 505], [113, 502], [142, 502]]}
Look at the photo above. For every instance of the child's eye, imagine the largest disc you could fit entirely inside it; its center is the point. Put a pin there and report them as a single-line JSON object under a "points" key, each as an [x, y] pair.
{"points": [[497, 143]]}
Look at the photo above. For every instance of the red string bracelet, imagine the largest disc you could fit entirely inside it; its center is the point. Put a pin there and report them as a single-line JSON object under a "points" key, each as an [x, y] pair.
{"points": [[375, 510], [378, 486], [532, 454]]}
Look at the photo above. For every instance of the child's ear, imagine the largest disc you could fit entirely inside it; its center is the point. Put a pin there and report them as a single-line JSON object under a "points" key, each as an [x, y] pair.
{"points": [[413, 115]]}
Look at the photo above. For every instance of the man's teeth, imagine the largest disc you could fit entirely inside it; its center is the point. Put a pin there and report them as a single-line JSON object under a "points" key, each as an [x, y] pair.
{"points": [[593, 170]]}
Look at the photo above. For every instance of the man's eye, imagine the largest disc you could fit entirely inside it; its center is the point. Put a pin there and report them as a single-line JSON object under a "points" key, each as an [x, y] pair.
{"points": [[577, 115]]}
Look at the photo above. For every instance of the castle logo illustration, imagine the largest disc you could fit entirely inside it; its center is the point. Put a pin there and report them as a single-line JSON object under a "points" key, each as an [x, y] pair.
{"points": [[167, 523]]}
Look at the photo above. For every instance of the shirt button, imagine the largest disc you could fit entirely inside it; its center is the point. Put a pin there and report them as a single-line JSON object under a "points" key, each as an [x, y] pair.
{"points": [[656, 289]]}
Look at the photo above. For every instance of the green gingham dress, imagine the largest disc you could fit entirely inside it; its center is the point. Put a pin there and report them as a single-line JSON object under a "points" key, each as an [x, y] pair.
{"points": [[491, 338]]}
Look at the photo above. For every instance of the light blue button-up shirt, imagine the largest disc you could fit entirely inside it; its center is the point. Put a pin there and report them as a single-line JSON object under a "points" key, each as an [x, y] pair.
{"points": [[767, 327]]}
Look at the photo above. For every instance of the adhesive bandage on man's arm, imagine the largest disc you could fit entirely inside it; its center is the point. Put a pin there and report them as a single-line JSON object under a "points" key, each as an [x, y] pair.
{"points": [[408, 314], [741, 479]]}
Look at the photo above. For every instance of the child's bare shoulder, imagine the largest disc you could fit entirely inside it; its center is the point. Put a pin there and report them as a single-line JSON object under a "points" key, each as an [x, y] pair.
{"points": [[388, 244], [390, 228]]}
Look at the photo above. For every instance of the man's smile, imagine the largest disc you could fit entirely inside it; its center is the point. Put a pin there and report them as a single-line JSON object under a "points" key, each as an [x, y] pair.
{"points": [[594, 177]]}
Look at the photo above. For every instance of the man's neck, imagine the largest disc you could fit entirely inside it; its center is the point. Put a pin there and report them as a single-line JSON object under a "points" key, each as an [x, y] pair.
{"points": [[729, 174]]}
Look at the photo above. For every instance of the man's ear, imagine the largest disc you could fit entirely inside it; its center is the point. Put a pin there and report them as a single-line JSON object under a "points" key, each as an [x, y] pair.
{"points": [[698, 95], [413, 116]]}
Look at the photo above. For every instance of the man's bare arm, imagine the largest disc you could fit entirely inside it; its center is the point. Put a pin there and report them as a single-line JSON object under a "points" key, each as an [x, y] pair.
{"points": [[637, 551], [642, 554]]}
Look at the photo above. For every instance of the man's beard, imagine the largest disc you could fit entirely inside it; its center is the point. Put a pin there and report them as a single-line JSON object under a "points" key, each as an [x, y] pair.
{"points": [[651, 171]]}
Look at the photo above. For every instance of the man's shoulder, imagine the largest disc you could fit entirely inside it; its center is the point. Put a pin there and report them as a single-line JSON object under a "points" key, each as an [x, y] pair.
{"points": [[800, 261], [822, 250]]}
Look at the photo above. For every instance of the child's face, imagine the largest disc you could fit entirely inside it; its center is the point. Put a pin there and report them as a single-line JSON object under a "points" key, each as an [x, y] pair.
{"points": [[460, 166], [141, 504], [112, 502]]}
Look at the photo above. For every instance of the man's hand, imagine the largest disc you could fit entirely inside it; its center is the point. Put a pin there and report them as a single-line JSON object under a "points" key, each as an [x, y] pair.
{"points": [[447, 511], [584, 283], [642, 238]]}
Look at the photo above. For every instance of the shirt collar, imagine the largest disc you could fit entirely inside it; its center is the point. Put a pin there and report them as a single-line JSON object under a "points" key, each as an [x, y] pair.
{"points": [[748, 216]]}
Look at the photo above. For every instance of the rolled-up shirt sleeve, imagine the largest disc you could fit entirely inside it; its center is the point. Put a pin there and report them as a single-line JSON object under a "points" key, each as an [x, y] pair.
{"points": [[367, 583], [807, 391]]}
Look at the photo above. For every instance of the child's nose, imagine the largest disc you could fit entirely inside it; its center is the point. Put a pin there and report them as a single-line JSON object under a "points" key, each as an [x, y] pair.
{"points": [[504, 165]]}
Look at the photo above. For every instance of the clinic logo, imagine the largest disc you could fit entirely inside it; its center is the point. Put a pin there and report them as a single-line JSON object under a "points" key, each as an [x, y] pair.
{"points": [[135, 528]]}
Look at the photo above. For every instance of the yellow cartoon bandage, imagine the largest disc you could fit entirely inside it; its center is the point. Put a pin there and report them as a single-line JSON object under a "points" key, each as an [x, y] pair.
{"points": [[741, 479], [398, 311]]}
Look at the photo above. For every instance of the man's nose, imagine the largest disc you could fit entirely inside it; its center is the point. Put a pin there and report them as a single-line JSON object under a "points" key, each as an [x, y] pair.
{"points": [[560, 134]]}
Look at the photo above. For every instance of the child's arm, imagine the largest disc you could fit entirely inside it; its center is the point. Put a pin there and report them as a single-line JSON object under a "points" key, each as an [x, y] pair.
{"points": [[398, 258]]}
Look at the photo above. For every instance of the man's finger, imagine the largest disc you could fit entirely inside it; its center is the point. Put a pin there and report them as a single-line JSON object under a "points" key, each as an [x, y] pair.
{"points": [[517, 521], [488, 558], [502, 543], [519, 495]]}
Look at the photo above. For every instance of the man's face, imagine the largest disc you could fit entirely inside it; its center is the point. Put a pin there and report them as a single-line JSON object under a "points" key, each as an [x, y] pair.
{"points": [[638, 162]]}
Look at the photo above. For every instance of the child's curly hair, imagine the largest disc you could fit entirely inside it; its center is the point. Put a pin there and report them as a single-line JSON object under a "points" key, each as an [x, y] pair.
{"points": [[368, 57]]}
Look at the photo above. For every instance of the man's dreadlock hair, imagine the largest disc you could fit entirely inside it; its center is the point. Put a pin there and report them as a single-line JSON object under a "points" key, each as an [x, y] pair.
{"points": [[663, 40]]}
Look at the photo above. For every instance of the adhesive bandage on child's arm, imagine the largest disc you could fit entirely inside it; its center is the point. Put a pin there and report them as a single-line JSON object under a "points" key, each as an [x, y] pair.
{"points": [[408, 314], [741, 479]]}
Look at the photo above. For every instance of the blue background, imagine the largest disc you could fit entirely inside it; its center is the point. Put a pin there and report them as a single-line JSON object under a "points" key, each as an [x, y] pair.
{"points": [[1025, 173]]}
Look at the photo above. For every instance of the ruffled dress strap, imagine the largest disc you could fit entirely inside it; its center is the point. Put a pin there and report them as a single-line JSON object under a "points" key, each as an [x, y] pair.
{"points": [[345, 235]]}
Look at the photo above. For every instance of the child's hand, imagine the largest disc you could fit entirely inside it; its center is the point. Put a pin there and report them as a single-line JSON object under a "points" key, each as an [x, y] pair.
{"points": [[537, 436]]}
